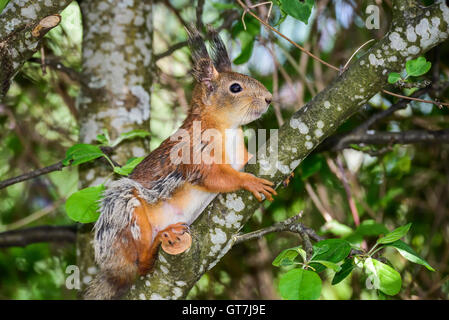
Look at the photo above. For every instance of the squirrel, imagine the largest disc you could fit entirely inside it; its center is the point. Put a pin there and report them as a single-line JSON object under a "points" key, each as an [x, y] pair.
{"points": [[157, 202]]}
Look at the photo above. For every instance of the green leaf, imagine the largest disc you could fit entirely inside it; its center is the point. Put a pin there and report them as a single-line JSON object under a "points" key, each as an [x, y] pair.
{"points": [[82, 206], [3, 4], [346, 269], [366, 229], [130, 135], [383, 277], [300, 284], [129, 166], [81, 153], [310, 166], [336, 228], [224, 6], [337, 250], [247, 42], [247, 38], [300, 10], [417, 67], [394, 77], [104, 138], [392, 193], [394, 235], [409, 254], [287, 257], [328, 264]]}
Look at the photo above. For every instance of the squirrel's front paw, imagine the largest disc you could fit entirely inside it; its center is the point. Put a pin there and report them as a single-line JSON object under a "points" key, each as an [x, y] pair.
{"points": [[175, 238], [257, 186]]}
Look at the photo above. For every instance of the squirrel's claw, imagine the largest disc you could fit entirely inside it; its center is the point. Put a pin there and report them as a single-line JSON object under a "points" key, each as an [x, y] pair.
{"points": [[258, 186], [175, 238]]}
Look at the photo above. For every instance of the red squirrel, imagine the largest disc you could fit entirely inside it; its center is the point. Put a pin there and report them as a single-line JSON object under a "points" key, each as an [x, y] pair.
{"points": [[159, 200]]}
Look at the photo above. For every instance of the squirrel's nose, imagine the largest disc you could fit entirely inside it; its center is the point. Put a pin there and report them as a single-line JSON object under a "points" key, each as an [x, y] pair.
{"points": [[268, 100]]}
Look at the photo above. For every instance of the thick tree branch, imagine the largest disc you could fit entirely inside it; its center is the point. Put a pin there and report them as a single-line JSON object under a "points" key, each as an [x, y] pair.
{"points": [[24, 237], [22, 28], [213, 232]]}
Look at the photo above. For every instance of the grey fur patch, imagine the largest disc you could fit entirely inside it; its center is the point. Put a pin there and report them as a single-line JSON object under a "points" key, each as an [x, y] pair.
{"points": [[117, 208]]}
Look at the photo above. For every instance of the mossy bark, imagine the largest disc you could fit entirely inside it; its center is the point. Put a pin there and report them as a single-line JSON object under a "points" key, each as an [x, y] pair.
{"points": [[117, 68], [17, 41]]}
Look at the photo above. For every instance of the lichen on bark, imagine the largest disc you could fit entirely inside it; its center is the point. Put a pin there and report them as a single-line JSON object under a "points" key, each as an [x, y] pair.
{"points": [[117, 70], [17, 41]]}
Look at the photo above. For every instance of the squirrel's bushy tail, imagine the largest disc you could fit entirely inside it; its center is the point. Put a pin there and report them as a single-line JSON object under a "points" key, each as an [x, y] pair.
{"points": [[116, 234], [107, 286], [113, 239]]}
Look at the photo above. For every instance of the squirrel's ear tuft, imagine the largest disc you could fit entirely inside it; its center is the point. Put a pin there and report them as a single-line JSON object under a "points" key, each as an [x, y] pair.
{"points": [[219, 53], [203, 67]]}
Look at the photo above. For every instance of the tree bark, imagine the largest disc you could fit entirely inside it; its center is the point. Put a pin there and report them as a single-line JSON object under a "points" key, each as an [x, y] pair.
{"points": [[117, 68], [21, 29]]}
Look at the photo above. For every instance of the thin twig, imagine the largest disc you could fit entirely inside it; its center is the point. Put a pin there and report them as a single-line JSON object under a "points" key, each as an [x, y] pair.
{"points": [[344, 180], [230, 15], [199, 14], [25, 237], [255, 6], [55, 64], [176, 12], [285, 37], [437, 103], [32, 174], [35, 215], [247, 10], [401, 104], [404, 137], [316, 200], [355, 52], [291, 224], [170, 50]]}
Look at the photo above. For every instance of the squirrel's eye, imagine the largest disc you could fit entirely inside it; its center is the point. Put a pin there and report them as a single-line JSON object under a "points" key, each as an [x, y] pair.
{"points": [[235, 87]]}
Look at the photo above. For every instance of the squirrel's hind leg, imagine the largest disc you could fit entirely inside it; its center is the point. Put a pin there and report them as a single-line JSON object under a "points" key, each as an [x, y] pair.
{"points": [[146, 246]]}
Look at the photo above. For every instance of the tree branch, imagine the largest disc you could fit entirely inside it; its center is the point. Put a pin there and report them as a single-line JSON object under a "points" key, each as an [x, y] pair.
{"points": [[54, 167], [22, 28], [229, 17], [31, 175], [404, 137], [199, 14], [291, 224], [401, 104], [24, 237], [56, 65]]}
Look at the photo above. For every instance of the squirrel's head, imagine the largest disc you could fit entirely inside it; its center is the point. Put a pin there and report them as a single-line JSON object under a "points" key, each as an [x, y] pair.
{"points": [[232, 97]]}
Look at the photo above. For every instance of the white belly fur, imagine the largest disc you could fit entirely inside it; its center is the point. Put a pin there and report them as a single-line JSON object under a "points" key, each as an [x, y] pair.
{"points": [[198, 199], [189, 213]]}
